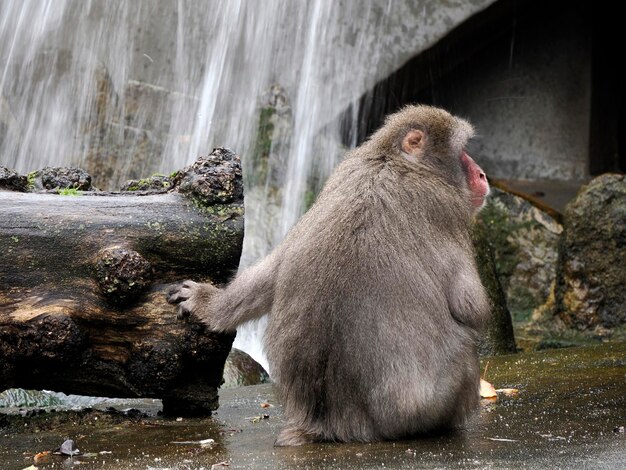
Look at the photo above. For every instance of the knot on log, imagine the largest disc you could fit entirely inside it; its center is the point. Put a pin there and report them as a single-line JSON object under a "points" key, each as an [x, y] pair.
{"points": [[214, 179], [122, 274]]}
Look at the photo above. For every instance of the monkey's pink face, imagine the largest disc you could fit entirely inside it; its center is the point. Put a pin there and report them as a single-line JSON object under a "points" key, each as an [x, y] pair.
{"points": [[476, 180]]}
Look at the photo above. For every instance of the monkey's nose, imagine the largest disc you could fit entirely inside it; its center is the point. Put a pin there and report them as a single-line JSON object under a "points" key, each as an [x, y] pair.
{"points": [[482, 176]]}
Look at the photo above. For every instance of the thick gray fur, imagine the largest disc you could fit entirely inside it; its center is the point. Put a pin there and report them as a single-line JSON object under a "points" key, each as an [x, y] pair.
{"points": [[373, 298]]}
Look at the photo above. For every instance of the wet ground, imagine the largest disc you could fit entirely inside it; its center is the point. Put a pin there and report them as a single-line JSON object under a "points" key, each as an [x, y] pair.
{"points": [[567, 414]]}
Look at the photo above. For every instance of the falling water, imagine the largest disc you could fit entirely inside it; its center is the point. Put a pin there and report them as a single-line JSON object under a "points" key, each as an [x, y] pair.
{"points": [[128, 88]]}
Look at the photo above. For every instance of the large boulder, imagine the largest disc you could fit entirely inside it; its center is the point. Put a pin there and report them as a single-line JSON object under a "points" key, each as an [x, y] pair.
{"points": [[241, 370], [590, 287]]}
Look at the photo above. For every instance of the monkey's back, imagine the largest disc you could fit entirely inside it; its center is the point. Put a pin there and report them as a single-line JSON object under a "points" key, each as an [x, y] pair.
{"points": [[360, 338]]}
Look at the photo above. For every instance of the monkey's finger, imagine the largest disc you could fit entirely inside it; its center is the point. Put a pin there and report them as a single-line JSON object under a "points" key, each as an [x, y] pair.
{"points": [[172, 290], [189, 284], [183, 311], [173, 296], [180, 292]]}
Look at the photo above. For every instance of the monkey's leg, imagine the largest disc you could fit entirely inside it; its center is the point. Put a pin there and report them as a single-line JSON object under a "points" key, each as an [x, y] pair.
{"points": [[248, 296]]}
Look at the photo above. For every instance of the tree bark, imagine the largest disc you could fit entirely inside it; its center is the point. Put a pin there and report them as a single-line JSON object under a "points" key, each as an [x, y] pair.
{"points": [[82, 294]]}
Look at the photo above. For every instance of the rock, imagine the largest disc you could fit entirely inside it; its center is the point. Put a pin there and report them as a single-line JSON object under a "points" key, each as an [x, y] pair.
{"points": [[240, 370], [590, 287], [525, 241], [214, 179], [12, 180], [498, 336], [60, 178], [153, 184]]}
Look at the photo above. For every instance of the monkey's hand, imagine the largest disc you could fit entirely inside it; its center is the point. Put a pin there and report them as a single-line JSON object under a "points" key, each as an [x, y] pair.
{"points": [[193, 298]]}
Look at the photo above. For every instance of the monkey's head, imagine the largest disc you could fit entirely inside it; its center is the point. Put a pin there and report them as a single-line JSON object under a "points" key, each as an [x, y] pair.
{"points": [[434, 141]]}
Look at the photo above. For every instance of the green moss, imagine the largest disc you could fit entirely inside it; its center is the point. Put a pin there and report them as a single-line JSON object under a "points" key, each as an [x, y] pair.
{"points": [[309, 199], [174, 174], [521, 302], [145, 184], [262, 148], [500, 228], [219, 210], [155, 225], [140, 184]]}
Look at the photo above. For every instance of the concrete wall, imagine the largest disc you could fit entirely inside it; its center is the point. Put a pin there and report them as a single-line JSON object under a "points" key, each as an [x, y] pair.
{"points": [[529, 97], [521, 72]]}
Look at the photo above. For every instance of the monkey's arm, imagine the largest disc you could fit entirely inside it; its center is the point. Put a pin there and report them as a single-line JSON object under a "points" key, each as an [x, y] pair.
{"points": [[248, 296], [467, 299]]}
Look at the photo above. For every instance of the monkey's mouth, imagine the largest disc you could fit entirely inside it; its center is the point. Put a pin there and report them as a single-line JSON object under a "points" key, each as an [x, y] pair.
{"points": [[478, 202]]}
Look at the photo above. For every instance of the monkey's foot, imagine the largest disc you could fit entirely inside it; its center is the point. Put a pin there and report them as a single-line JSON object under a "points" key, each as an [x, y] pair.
{"points": [[293, 436]]}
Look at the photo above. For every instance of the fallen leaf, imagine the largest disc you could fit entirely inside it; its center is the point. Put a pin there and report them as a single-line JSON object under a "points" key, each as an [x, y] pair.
{"points": [[256, 419], [229, 431], [42, 457], [265, 405], [220, 464], [487, 390]]}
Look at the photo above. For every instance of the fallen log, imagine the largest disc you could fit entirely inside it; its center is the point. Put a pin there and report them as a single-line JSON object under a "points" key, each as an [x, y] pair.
{"points": [[82, 282]]}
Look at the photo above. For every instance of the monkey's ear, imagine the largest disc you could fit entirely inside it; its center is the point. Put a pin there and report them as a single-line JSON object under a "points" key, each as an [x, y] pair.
{"points": [[413, 142]]}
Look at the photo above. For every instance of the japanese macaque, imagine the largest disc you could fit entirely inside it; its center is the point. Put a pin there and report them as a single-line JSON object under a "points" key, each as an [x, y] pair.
{"points": [[374, 300]]}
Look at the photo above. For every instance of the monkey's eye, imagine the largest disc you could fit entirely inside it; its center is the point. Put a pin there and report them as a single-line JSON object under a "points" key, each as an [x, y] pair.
{"points": [[473, 146]]}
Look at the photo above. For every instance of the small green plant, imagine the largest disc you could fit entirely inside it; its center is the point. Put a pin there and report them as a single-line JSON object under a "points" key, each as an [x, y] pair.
{"points": [[31, 177], [69, 192]]}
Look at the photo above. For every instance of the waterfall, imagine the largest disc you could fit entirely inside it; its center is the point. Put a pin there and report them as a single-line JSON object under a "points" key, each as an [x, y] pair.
{"points": [[127, 88]]}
